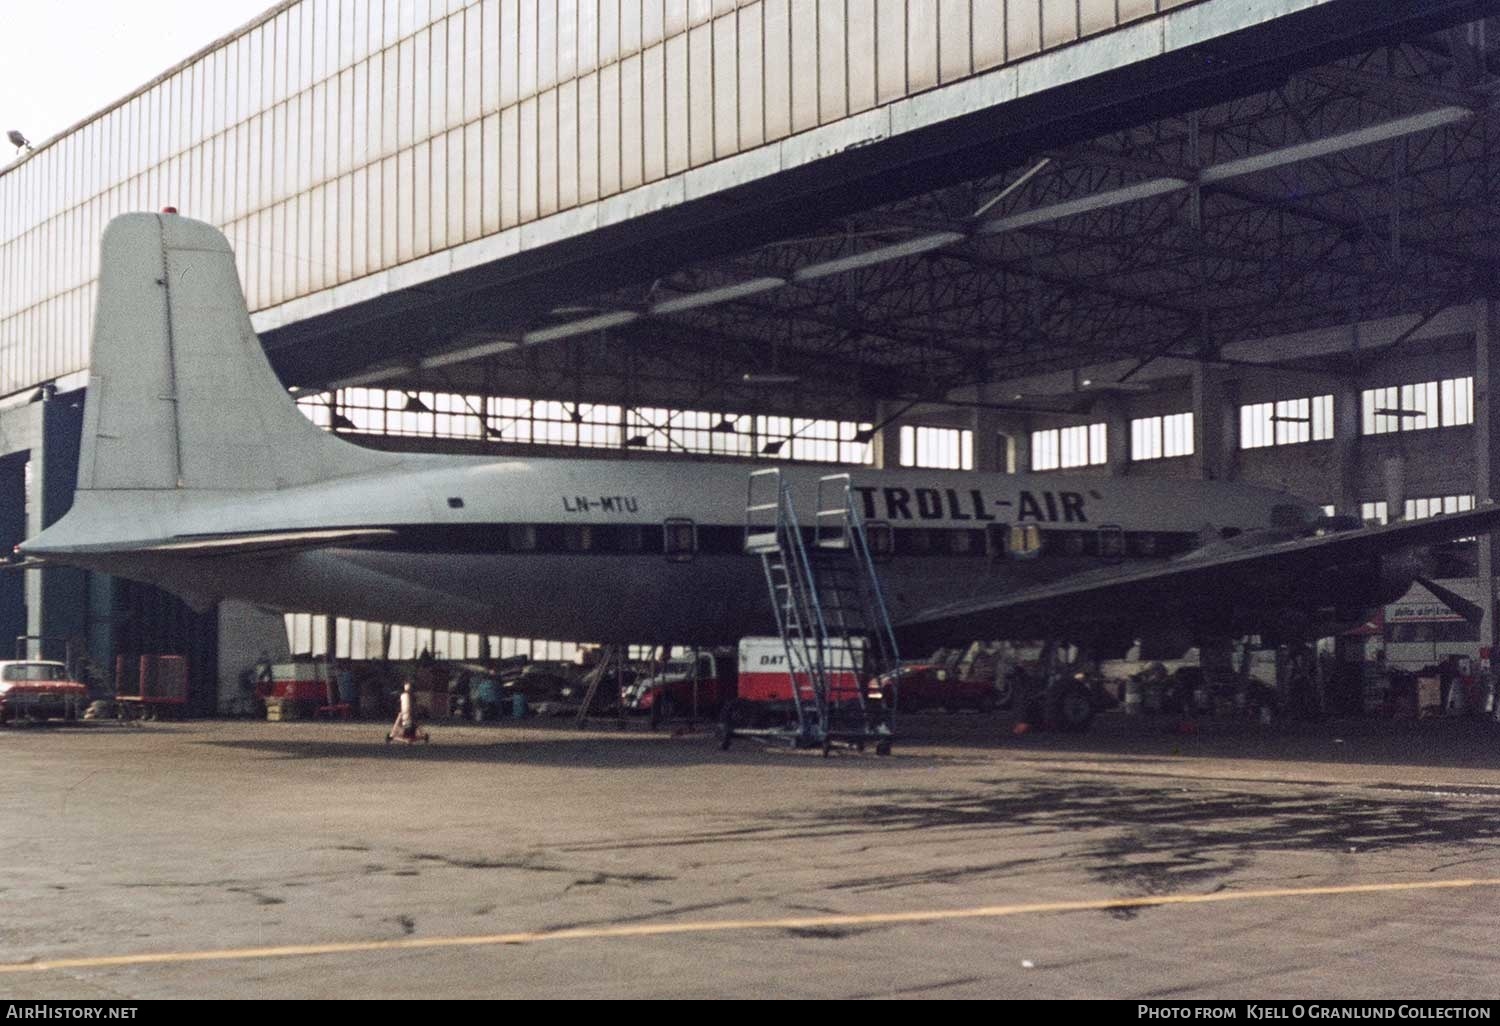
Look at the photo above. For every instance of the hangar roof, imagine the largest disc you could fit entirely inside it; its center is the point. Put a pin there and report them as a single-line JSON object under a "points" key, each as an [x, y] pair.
{"points": [[1350, 187]]}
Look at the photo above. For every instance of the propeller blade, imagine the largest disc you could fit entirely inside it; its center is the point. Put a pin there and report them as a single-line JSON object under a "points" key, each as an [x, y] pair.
{"points": [[1460, 605]]}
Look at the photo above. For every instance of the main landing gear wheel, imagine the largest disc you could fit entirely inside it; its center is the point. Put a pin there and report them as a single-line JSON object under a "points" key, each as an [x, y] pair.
{"points": [[1070, 708], [661, 712]]}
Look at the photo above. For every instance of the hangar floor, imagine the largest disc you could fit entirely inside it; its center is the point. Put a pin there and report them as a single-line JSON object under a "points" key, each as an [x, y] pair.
{"points": [[311, 860]]}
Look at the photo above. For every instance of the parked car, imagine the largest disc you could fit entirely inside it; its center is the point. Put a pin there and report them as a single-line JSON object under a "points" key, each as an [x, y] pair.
{"points": [[931, 685], [39, 689]]}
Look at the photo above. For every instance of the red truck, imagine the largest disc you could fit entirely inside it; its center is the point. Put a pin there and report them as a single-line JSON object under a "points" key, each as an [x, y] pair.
{"points": [[670, 692], [973, 678]]}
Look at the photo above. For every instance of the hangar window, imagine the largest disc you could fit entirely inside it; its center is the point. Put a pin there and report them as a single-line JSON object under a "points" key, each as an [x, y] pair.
{"points": [[1155, 438], [510, 419], [937, 447], [689, 431], [1372, 512], [1084, 445], [823, 441], [1420, 509], [1417, 407], [1286, 422], [679, 540]]}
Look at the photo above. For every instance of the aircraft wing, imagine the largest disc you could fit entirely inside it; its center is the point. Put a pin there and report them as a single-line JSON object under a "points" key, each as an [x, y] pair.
{"points": [[1216, 576]]}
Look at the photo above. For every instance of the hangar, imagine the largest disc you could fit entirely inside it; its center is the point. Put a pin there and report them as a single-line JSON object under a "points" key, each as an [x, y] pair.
{"points": [[1207, 239]]}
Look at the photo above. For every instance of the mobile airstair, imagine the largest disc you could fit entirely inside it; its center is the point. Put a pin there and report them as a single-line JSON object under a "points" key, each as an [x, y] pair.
{"points": [[832, 621]]}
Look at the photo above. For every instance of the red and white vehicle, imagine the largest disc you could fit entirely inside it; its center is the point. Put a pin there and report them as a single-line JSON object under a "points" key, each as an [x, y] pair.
{"points": [[764, 677], [39, 689]]}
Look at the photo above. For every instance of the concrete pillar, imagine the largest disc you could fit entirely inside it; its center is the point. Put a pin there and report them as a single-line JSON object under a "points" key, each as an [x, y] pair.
{"points": [[990, 456], [1346, 441], [886, 444], [1486, 452], [1214, 424], [1116, 436], [1024, 426]]}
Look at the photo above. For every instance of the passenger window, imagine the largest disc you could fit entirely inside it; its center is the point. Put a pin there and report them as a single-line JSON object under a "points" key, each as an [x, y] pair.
{"points": [[1025, 541], [521, 537], [632, 538], [918, 541], [680, 540], [996, 540], [962, 543], [578, 537], [1111, 541]]}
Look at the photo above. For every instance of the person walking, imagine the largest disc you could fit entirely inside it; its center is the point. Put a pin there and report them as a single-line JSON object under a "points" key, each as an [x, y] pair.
{"points": [[405, 727]]}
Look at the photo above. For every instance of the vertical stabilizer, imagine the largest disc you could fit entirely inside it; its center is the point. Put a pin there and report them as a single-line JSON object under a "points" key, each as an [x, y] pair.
{"points": [[180, 395]]}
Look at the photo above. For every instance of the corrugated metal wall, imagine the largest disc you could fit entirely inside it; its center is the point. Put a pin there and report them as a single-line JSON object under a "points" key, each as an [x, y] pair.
{"points": [[338, 138]]}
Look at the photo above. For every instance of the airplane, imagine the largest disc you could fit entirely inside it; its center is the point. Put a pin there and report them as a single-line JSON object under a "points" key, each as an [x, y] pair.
{"points": [[199, 474]]}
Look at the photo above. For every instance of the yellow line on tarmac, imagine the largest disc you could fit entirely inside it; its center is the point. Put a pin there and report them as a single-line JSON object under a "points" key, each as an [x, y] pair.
{"points": [[723, 926]]}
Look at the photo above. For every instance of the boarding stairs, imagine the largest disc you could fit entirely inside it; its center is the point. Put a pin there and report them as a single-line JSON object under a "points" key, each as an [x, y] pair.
{"points": [[830, 614]]}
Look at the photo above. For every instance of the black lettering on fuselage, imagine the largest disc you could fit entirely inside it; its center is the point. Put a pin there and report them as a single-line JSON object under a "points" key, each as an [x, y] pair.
{"points": [[607, 504], [929, 504], [1030, 510], [868, 495], [1072, 504], [897, 504], [953, 509], [978, 497], [1051, 506]]}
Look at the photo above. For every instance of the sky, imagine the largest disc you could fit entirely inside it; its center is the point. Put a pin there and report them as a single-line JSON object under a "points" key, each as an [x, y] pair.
{"points": [[63, 60]]}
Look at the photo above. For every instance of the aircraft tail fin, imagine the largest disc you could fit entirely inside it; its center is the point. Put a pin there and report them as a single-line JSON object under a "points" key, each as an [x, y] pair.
{"points": [[180, 393]]}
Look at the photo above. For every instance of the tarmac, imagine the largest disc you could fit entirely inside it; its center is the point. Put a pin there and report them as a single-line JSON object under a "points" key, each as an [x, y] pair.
{"points": [[240, 859]]}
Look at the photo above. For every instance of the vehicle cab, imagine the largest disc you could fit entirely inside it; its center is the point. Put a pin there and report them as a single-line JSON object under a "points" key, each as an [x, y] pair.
{"points": [[669, 692]]}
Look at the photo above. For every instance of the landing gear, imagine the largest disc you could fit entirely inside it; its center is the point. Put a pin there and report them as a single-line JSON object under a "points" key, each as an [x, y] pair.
{"points": [[1056, 701], [1069, 707]]}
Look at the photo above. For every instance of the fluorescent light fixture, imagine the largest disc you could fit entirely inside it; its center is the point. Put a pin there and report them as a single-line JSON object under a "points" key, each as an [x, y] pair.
{"points": [[878, 255], [583, 327], [474, 352], [711, 297]]}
